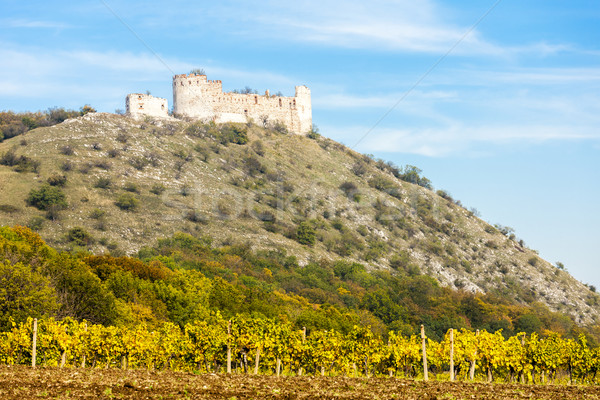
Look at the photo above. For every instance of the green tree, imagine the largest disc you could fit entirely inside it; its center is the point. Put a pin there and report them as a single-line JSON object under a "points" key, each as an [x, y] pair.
{"points": [[23, 293]]}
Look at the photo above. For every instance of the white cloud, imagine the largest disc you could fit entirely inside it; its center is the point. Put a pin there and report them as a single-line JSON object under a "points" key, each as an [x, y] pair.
{"points": [[453, 139], [32, 24]]}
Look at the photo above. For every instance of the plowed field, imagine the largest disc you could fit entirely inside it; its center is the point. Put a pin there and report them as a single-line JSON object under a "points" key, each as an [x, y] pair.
{"points": [[22, 382]]}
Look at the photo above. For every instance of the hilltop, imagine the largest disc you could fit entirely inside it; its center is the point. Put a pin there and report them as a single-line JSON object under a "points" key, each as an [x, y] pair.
{"points": [[127, 183]]}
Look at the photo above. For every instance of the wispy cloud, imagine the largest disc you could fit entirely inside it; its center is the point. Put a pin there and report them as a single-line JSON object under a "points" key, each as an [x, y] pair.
{"points": [[33, 24], [457, 139]]}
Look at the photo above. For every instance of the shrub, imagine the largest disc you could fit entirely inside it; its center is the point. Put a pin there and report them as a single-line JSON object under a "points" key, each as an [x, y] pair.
{"points": [[103, 183], [46, 197], [85, 168], [185, 190], [131, 187], [103, 164], [259, 148], [67, 150], [57, 180], [306, 234], [8, 208], [66, 166], [359, 168], [127, 202], [138, 163], [122, 137], [36, 223], [195, 216], [533, 261], [113, 153], [157, 189], [20, 163], [280, 127], [97, 213], [232, 133], [79, 236], [254, 166]]}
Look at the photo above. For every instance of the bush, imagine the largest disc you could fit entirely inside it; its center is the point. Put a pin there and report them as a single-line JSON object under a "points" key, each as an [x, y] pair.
{"points": [[157, 189], [306, 234], [533, 261], [232, 133], [36, 223], [113, 153], [195, 216], [97, 213], [131, 187], [20, 163], [103, 183], [127, 202], [359, 168], [66, 166], [57, 180], [67, 150], [79, 236], [46, 197], [280, 127], [8, 208], [138, 163], [254, 166]]}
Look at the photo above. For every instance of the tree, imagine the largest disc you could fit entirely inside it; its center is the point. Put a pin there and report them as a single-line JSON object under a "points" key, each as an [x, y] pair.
{"points": [[198, 71], [23, 293]]}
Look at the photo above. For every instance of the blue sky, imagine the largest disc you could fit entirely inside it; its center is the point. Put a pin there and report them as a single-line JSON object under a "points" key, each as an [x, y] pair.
{"points": [[498, 102]]}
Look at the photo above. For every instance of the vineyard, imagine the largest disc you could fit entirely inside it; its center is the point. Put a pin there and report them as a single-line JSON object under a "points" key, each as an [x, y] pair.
{"points": [[246, 345]]}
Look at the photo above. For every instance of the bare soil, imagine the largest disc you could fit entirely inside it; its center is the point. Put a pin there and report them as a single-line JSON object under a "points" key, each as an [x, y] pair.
{"points": [[21, 382]]}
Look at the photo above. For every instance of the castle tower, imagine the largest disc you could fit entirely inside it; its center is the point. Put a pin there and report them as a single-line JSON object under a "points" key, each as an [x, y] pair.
{"points": [[194, 96], [138, 104], [304, 106]]}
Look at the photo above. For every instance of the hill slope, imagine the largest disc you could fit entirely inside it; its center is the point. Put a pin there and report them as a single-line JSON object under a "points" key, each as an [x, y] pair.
{"points": [[129, 183]]}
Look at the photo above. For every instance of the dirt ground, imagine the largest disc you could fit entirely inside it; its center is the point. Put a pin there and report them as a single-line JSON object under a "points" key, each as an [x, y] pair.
{"points": [[21, 382]]}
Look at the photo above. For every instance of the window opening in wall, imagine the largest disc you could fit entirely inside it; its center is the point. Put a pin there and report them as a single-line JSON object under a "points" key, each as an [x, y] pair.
{"points": [[279, 102], [139, 97], [255, 99]]}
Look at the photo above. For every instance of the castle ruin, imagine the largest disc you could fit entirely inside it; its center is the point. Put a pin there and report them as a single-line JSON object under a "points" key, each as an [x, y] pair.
{"points": [[194, 96], [138, 104]]}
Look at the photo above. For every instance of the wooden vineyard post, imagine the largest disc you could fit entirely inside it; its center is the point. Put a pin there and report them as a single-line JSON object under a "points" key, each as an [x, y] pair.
{"points": [[34, 344], [303, 340], [522, 372], [256, 361], [63, 357], [229, 347], [278, 367], [83, 358], [451, 355], [425, 374], [472, 369]]}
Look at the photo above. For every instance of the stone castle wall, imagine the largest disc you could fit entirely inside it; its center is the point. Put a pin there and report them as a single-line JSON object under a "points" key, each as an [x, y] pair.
{"points": [[137, 104], [196, 97]]}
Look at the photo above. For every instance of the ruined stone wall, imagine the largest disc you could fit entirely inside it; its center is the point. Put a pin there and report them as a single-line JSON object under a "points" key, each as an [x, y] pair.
{"points": [[196, 97], [137, 104]]}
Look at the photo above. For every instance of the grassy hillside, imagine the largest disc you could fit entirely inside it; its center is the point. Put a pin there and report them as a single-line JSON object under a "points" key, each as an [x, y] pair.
{"points": [[128, 183]]}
